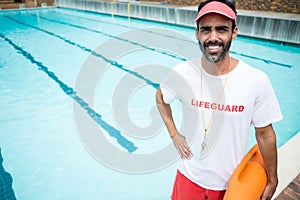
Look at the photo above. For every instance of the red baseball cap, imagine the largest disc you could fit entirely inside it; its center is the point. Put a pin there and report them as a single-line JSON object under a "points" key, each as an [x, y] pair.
{"points": [[216, 7]]}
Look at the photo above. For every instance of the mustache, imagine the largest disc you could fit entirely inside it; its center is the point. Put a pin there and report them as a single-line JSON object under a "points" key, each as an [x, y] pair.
{"points": [[206, 44]]}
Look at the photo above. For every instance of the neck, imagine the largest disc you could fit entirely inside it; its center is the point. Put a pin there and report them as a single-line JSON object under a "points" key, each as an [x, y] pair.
{"points": [[218, 68]]}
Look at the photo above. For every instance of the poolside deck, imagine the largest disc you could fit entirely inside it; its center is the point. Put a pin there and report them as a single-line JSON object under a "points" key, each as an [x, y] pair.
{"points": [[289, 170], [292, 191], [279, 27]]}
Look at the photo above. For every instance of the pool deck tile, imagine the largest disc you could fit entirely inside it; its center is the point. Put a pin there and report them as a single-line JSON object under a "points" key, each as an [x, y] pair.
{"points": [[289, 168], [292, 191]]}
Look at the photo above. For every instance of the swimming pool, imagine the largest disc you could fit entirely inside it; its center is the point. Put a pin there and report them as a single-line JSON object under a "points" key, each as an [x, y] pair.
{"points": [[56, 101]]}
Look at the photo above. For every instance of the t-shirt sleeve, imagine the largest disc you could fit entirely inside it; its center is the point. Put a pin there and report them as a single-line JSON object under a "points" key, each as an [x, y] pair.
{"points": [[176, 84], [266, 108], [167, 93], [169, 87]]}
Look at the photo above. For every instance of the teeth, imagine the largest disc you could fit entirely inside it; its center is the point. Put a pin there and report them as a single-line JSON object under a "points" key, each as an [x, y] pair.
{"points": [[213, 47]]}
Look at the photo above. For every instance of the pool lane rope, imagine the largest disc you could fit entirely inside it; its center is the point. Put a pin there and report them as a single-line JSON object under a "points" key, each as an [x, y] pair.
{"points": [[156, 50], [109, 61], [113, 132]]}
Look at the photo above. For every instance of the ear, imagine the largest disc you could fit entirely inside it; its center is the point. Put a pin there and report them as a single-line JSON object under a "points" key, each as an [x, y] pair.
{"points": [[234, 34], [197, 33]]}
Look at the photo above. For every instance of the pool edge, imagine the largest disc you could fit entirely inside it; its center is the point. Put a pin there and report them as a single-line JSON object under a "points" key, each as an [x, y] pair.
{"points": [[287, 154], [277, 27]]}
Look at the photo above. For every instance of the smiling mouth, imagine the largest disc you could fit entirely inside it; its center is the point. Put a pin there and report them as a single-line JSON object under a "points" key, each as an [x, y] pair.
{"points": [[214, 48]]}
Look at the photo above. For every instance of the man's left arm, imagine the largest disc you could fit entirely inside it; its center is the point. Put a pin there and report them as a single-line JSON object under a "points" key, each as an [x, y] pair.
{"points": [[266, 140]]}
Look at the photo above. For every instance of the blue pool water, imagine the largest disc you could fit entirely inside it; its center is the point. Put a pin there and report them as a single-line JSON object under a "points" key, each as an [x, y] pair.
{"points": [[58, 105]]}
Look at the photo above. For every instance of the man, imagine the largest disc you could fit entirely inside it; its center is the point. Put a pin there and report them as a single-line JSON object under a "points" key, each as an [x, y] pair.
{"points": [[221, 97]]}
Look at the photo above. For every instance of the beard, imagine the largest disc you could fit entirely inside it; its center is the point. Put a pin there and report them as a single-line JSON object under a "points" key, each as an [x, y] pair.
{"points": [[216, 57]]}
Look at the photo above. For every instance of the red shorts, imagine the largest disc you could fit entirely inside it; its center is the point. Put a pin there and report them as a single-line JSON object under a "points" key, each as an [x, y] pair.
{"points": [[184, 189]]}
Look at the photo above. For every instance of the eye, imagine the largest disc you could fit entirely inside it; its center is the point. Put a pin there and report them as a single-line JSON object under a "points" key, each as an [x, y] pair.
{"points": [[222, 29], [205, 29]]}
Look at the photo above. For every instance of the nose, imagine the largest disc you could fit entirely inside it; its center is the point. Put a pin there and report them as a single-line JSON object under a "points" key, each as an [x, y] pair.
{"points": [[213, 36]]}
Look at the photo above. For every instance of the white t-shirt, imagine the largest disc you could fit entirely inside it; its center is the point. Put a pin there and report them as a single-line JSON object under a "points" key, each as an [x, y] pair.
{"points": [[248, 99]]}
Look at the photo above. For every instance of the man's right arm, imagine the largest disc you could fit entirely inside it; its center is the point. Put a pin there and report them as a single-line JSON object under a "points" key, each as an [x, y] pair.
{"points": [[166, 114]]}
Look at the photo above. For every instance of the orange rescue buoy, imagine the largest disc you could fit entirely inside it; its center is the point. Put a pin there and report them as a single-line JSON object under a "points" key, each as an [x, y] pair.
{"points": [[249, 179]]}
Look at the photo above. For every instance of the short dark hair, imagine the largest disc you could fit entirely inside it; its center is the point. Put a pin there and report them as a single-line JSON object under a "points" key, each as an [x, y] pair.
{"points": [[230, 3]]}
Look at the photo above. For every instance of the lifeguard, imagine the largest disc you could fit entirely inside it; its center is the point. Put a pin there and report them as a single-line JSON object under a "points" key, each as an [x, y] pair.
{"points": [[217, 106]]}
